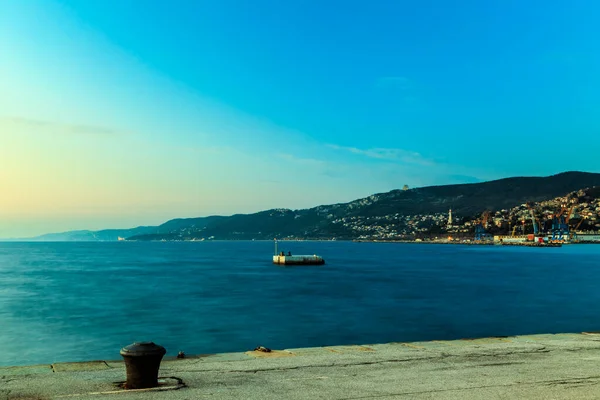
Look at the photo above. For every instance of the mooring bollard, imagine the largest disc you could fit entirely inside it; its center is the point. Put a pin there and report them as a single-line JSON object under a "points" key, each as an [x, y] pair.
{"points": [[142, 361]]}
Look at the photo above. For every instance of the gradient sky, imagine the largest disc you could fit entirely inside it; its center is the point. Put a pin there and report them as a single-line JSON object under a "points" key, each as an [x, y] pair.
{"points": [[124, 113]]}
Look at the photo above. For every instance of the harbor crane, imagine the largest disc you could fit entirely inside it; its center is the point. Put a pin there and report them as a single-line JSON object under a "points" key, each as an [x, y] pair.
{"points": [[558, 225], [534, 221], [574, 232], [560, 222]]}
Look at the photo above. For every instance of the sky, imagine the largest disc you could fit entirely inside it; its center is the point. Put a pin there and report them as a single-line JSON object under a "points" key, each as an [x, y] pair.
{"points": [[119, 113]]}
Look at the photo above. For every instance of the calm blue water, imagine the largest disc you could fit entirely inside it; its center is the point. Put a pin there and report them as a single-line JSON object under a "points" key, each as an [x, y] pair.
{"points": [[82, 301]]}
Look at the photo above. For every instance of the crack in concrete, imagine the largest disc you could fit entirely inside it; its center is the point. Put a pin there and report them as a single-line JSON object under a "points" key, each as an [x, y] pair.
{"points": [[549, 383], [541, 349], [439, 356], [593, 380]]}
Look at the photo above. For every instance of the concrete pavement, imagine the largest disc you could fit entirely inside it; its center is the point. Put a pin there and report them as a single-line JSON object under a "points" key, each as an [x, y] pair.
{"points": [[562, 366]]}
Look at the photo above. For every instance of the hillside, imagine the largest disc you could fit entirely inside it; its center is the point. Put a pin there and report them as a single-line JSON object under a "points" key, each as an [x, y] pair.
{"points": [[355, 219], [389, 214]]}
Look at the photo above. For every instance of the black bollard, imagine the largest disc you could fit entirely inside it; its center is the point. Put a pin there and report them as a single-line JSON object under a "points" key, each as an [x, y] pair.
{"points": [[142, 361]]}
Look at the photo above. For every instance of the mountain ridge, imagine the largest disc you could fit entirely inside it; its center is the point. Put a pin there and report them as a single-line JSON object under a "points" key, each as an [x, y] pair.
{"points": [[332, 221]]}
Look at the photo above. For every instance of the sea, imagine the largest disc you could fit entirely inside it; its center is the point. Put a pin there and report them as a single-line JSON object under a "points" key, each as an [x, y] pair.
{"points": [[78, 301]]}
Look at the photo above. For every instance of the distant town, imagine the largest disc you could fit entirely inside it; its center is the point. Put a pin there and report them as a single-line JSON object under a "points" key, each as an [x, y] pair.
{"points": [[579, 211]]}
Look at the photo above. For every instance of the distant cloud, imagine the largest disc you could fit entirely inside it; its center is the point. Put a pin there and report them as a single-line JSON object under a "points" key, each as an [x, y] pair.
{"points": [[400, 82], [75, 129], [390, 154], [301, 160]]}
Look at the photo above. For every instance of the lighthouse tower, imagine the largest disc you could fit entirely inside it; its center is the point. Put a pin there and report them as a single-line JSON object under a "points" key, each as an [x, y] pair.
{"points": [[450, 217]]}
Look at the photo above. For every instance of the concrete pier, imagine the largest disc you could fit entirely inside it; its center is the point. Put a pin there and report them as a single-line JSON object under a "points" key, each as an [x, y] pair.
{"points": [[289, 259], [561, 366], [298, 260]]}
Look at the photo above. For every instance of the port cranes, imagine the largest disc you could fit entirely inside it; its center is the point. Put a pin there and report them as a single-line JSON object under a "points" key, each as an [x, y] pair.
{"points": [[560, 222], [558, 225]]}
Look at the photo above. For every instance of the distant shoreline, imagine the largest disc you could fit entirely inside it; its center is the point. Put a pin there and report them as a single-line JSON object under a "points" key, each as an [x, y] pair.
{"points": [[428, 242]]}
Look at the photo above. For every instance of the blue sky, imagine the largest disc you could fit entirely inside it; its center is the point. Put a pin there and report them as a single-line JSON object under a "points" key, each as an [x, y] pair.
{"points": [[121, 113]]}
